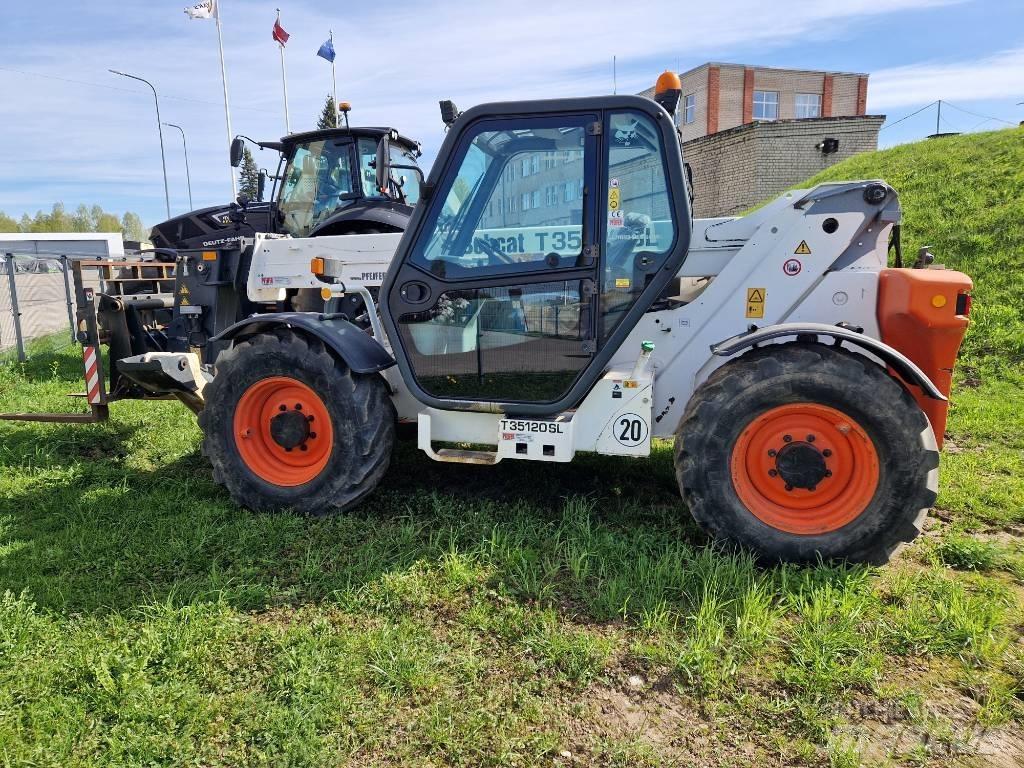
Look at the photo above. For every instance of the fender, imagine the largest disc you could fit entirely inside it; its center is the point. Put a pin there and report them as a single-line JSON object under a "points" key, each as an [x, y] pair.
{"points": [[360, 351], [896, 360]]}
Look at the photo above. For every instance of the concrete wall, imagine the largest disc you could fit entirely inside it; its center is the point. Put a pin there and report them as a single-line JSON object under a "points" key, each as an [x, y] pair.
{"points": [[736, 169]]}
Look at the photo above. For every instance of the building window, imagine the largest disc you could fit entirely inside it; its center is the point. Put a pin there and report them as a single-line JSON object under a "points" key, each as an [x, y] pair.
{"points": [[766, 105], [690, 108], [808, 105], [535, 199], [567, 191], [526, 167]]}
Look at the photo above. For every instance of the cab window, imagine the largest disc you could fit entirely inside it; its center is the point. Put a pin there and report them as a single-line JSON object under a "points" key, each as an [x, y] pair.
{"points": [[517, 199], [317, 178], [640, 230]]}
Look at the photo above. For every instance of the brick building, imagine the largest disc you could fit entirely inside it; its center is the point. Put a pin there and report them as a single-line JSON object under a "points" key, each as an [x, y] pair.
{"points": [[752, 132]]}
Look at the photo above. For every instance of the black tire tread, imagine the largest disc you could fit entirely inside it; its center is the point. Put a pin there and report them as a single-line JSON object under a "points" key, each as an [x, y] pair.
{"points": [[364, 399], [711, 414]]}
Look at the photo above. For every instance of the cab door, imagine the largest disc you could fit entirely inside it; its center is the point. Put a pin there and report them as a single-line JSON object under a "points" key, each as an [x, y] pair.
{"points": [[540, 236]]}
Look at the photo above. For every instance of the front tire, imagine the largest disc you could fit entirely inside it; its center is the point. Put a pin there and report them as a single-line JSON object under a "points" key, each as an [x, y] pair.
{"points": [[288, 425], [805, 451]]}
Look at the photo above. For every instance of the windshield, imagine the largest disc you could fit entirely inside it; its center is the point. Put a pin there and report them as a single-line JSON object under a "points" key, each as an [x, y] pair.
{"points": [[404, 177], [317, 183]]}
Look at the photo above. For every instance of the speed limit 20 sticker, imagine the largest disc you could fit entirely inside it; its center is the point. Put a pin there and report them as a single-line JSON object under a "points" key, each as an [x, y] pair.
{"points": [[630, 430]]}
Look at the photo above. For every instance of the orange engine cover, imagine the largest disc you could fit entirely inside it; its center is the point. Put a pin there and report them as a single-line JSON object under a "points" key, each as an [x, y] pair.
{"points": [[917, 315]]}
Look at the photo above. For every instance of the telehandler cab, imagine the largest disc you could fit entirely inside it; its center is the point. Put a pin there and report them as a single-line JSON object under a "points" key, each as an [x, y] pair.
{"points": [[553, 294]]}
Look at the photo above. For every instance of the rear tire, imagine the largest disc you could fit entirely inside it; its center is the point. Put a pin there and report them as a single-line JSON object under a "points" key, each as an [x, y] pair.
{"points": [[288, 425], [805, 451]]}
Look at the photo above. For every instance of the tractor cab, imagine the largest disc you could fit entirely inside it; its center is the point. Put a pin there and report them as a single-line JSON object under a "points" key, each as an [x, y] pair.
{"points": [[547, 235], [327, 179], [325, 184]]}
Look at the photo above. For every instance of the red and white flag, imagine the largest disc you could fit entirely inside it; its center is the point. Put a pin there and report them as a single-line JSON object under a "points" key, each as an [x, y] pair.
{"points": [[279, 34], [204, 10]]}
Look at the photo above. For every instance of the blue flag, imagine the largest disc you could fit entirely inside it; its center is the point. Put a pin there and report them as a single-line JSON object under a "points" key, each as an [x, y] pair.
{"points": [[327, 50]]}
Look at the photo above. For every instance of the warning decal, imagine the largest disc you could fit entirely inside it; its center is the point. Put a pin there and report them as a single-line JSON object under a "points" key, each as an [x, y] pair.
{"points": [[613, 199], [803, 249], [755, 302]]}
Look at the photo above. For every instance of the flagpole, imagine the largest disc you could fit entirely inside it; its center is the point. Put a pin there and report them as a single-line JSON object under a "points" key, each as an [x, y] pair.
{"points": [[284, 81], [334, 87], [227, 109]]}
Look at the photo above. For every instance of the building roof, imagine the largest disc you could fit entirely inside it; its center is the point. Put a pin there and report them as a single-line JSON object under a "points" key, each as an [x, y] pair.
{"points": [[775, 69]]}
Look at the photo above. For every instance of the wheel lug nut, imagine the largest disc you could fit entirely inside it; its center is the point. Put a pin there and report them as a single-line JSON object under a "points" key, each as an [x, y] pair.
{"points": [[828, 473], [309, 418], [282, 407], [303, 447], [789, 487], [810, 438], [826, 453], [312, 435], [771, 451], [812, 488], [772, 473], [787, 438], [298, 406]]}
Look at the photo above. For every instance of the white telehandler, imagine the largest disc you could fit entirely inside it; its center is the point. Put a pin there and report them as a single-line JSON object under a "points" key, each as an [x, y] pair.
{"points": [[552, 294]]}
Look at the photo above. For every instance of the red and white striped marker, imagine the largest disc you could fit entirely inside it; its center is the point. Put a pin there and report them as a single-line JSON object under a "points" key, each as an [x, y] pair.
{"points": [[92, 374]]}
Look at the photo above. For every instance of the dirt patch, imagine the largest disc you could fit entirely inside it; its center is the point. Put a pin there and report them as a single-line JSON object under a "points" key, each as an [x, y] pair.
{"points": [[641, 719]]}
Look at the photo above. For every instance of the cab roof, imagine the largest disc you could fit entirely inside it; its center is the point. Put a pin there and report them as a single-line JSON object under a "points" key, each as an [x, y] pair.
{"points": [[372, 132]]}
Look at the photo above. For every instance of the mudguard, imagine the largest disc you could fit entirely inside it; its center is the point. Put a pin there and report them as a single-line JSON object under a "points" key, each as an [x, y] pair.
{"points": [[360, 351], [896, 360]]}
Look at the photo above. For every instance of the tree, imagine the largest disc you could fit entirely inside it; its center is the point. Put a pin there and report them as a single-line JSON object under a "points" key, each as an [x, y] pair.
{"points": [[108, 222], [329, 115], [132, 227], [249, 176], [7, 224], [84, 219]]}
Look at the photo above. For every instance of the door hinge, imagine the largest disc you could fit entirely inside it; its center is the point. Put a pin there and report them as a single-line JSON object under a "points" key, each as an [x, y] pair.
{"points": [[591, 251], [594, 129]]}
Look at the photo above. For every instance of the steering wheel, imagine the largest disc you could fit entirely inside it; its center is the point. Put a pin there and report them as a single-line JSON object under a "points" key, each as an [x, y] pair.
{"points": [[494, 256]]}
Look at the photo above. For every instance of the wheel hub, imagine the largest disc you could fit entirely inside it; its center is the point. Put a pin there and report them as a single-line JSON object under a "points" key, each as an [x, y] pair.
{"points": [[289, 429], [804, 468], [801, 465], [283, 431]]}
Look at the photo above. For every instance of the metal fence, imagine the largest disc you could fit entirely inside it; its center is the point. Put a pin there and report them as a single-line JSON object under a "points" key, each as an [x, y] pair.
{"points": [[36, 299]]}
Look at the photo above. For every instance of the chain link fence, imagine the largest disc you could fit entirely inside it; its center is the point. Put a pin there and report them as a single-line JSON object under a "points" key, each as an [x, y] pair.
{"points": [[37, 299]]}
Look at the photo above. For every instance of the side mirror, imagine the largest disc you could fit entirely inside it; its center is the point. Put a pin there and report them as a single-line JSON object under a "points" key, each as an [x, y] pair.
{"points": [[261, 186], [382, 163], [237, 145]]}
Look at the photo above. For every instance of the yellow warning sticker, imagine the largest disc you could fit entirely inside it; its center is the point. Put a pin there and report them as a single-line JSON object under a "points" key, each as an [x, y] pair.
{"points": [[755, 302], [613, 199], [183, 291], [622, 282], [803, 249]]}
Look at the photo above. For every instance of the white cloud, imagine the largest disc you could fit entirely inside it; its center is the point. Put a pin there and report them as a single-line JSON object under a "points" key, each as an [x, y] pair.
{"points": [[394, 63], [994, 77]]}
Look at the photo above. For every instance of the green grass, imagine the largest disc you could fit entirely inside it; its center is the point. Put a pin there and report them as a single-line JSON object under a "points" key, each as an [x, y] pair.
{"points": [[516, 614]]}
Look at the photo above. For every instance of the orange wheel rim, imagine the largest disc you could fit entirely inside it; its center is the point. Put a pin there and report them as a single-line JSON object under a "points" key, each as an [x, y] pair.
{"points": [[805, 468], [283, 431]]}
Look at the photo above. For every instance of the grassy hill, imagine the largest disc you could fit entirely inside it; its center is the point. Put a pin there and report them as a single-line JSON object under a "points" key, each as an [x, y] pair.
{"points": [[964, 196], [521, 614]]}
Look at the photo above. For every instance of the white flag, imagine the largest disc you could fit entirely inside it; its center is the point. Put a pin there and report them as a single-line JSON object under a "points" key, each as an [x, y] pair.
{"points": [[204, 10]]}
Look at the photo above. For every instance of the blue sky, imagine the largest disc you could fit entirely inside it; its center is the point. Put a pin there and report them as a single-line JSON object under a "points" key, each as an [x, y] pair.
{"points": [[72, 132]]}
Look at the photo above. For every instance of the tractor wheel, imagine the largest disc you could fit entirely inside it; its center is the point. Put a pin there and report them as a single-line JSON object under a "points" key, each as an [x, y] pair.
{"points": [[288, 425], [805, 451]]}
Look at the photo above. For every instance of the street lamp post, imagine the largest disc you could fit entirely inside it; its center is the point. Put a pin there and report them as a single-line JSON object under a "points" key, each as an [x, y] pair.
{"points": [[160, 131], [188, 177]]}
